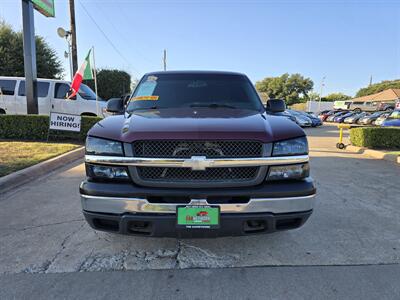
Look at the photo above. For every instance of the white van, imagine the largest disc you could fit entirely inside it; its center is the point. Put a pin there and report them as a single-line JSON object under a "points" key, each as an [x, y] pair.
{"points": [[51, 95]]}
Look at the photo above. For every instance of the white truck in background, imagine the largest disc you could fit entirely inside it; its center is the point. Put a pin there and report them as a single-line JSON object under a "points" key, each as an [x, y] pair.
{"points": [[52, 97]]}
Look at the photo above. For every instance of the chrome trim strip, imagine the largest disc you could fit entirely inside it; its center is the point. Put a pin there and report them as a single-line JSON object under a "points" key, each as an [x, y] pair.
{"points": [[196, 162], [140, 205]]}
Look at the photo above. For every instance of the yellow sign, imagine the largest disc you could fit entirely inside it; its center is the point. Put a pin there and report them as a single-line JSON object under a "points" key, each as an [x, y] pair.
{"points": [[142, 98]]}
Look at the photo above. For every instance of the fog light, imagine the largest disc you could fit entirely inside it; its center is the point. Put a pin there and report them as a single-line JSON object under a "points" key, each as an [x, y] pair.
{"points": [[109, 172], [288, 172]]}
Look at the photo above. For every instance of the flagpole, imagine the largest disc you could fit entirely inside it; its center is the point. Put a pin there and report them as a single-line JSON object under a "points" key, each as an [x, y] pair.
{"points": [[95, 83]]}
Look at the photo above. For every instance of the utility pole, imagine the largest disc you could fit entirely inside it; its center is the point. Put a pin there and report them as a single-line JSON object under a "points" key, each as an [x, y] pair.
{"points": [[29, 57], [370, 81], [165, 59], [74, 51]]}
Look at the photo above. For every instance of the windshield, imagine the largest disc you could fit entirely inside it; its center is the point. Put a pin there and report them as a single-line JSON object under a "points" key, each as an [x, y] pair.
{"points": [[86, 92], [395, 115], [195, 90]]}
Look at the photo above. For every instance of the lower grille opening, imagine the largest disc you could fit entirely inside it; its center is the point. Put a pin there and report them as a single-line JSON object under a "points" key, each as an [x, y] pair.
{"points": [[187, 175], [288, 223], [253, 226], [140, 227], [105, 224]]}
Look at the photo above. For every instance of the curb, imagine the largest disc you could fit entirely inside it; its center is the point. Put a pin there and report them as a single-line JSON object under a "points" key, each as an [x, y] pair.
{"points": [[374, 153], [23, 176]]}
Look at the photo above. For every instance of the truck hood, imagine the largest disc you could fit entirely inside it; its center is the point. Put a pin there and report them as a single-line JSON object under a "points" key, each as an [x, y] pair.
{"points": [[196, 124]]}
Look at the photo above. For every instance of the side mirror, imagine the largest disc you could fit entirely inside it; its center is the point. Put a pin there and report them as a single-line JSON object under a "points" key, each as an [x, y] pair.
{"points": [[115, 105], [275, 105]]}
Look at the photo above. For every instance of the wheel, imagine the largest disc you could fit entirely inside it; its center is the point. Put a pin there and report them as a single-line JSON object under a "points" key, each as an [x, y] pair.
{"points": [[2, 112], [357, 110], [340, 146]]}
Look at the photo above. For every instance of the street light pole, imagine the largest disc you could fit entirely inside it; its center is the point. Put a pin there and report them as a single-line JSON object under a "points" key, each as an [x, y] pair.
{"points": [[320, 94], [29, 57]]}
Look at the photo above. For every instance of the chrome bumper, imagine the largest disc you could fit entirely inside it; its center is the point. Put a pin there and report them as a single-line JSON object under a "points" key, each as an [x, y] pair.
{"points": [[114, 205]]}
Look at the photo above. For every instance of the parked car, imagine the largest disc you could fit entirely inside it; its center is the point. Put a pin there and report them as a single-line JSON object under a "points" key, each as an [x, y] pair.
{"points": [[386, 105], [334, 115], [359, 106], [397, 106], [340, 119], [52, 97], [301, 120], [368, 120], [202, 144], [315, 121], [325, 114], [353, 119], [393, 119], [285, 114], [382, 118]]}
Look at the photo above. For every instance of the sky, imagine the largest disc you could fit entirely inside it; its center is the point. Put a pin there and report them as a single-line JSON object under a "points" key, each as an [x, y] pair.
{"points": [[346, 42]]}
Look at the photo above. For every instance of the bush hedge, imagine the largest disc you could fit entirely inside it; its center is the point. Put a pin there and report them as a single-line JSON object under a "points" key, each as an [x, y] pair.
{"points": [[34, 127], [376, 137]]}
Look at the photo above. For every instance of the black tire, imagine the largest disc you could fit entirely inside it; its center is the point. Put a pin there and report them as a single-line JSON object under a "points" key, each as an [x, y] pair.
{"points": [[357, 110], [2, 112], [340, 146]]}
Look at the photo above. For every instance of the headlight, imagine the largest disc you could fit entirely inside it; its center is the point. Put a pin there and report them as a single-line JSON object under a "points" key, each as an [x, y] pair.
{"points": [[97, 146], [288, 172], [296, 146], [106, 172]]}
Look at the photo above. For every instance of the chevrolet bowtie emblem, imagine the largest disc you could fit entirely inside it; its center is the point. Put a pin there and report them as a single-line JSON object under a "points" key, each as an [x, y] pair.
{"points": [[198, 163]]}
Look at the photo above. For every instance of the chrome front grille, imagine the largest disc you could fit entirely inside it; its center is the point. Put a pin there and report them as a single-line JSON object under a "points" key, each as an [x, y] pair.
{"points": [[187, 149], [186, 177]]}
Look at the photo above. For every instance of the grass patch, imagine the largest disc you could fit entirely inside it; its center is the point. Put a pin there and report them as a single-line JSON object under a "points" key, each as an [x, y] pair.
{"points": [[394, 153], [15, 156]]}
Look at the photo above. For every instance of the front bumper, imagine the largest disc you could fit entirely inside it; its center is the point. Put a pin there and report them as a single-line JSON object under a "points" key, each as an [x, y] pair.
{"points": [[125, 208], [164, 225]]}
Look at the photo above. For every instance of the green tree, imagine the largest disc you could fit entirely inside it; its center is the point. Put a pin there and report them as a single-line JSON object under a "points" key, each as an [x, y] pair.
{"points": [[292, 88], [111, 83], [379, 87], [313, 96], [336, 97], [12, 56]]}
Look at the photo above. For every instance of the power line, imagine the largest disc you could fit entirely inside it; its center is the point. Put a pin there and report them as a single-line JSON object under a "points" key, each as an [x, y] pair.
{"points": [[107, 38], [123, 37]]}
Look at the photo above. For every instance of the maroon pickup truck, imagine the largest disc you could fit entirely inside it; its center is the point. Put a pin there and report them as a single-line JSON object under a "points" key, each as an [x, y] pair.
{"points": [[196, 154]]}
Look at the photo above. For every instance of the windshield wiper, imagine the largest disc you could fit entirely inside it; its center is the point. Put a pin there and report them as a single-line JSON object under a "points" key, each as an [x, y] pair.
{"points": [[213, 105]]}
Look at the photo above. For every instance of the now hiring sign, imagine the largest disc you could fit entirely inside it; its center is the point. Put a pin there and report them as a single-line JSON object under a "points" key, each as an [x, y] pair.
{"points": [[65, 122]]}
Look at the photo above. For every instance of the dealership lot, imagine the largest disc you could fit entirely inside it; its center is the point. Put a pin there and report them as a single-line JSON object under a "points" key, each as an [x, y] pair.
{"points": [[356, 222]]}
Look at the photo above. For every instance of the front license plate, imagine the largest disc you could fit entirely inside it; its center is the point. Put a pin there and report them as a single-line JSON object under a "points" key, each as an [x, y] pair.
{"points": [[198, 216]]}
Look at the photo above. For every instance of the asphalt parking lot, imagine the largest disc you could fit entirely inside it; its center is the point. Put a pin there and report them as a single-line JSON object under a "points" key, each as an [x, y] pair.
{"points": [[355, 223]]}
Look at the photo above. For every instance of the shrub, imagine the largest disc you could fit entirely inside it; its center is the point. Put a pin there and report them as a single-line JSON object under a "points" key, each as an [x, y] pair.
{"points": [[379, 138], [34, 127]]}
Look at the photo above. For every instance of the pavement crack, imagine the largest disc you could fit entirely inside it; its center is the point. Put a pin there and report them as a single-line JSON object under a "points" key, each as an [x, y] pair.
{"points": [[62, 247], [38, 226], [178, 253]]}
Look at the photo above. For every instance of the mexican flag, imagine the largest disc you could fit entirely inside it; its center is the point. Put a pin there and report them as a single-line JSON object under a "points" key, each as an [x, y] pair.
{"points": [[84, 73]]}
